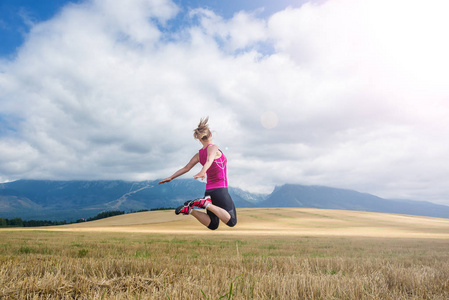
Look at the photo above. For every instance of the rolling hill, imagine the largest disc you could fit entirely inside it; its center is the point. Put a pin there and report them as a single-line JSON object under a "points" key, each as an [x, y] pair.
{"points": [[279, 222]]}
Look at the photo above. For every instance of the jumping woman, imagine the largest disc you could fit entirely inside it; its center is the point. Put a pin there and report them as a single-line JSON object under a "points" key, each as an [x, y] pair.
{"points": [[217, 202]]}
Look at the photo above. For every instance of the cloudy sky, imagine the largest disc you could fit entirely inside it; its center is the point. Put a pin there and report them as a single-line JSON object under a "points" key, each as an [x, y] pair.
{"points": [[349, 93]]}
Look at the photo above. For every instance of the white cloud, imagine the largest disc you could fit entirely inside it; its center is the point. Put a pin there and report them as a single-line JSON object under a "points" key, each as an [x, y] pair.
{"points": [[371, 80], [103, 90], [242, 31]]}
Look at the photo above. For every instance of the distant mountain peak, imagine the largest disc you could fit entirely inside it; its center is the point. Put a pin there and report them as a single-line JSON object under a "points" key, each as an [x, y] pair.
{"points": [[71, 200]]}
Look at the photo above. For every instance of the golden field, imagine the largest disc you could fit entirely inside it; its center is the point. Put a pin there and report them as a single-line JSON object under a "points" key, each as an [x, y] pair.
{"points": [[283, 253]]}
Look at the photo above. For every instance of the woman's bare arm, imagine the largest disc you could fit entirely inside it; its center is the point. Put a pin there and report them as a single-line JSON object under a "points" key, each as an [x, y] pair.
{"points": [[195, 159]]}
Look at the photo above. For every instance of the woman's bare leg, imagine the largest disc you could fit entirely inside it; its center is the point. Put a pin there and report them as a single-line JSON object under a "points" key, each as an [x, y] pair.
{"points": [[204, 218], [200, 216], [222, 214]]}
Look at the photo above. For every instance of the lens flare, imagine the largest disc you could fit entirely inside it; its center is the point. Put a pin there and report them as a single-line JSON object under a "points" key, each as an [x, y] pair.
{"points": [[269, 120]]}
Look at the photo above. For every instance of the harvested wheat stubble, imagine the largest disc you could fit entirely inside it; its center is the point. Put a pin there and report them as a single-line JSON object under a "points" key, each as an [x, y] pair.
{"points": [[48, 264]]}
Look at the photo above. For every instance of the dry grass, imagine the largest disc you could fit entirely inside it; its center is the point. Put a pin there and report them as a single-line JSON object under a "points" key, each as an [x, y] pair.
{"points": [[143, 265]]}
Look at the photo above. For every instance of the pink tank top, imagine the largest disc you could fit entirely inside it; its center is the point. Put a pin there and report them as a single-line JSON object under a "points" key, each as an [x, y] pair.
{"points": [[216, 174]]}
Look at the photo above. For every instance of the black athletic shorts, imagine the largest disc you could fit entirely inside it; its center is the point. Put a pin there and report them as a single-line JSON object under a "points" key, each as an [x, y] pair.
{"points": [[221, 198]]}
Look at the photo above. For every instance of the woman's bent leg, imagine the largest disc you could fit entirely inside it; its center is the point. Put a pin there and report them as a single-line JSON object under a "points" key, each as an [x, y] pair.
{"points": [[203, 218], [223, 207], [222, 214]]}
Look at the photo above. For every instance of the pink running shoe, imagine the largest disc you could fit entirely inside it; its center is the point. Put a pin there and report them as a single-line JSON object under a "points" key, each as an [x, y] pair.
{"points": [[185, 209], [203, 202]]}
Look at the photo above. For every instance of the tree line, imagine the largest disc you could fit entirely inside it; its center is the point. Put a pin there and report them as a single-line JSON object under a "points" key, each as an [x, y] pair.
{"points": [[18, 222]]}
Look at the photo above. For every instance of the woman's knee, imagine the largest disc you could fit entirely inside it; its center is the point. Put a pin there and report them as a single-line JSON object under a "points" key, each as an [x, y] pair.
{"points": [[232, 222], [213, 224]]}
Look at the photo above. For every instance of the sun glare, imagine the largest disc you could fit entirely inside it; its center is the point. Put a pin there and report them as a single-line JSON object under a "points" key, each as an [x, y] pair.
{"points": [[411, 36]]}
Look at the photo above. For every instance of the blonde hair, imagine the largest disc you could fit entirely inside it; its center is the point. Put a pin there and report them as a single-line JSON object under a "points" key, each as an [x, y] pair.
{"points": [[202, 132]]}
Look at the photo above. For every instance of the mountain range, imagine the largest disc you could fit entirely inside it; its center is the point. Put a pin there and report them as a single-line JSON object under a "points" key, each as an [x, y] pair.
{"points": [[72, 200]]}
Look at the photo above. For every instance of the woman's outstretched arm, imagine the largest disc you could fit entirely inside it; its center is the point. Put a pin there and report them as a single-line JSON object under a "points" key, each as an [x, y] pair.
{"points": [[195, 159]]}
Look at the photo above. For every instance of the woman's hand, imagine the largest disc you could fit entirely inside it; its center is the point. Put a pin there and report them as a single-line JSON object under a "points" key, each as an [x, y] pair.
{"points": [[201, 175], [168, 179]]}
